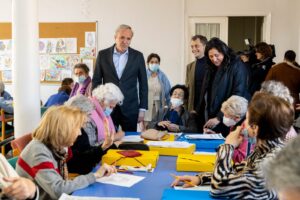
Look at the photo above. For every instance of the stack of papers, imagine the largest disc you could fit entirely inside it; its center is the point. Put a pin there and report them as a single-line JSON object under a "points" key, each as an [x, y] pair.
{"points": [[132, 138], [205, 136], [169, 144], [124, 180], [68, 197], [200, 187]]}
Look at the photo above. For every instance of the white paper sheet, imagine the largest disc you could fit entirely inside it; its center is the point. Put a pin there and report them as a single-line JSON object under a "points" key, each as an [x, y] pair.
{"points": [[119, 179], [68, 197], [171, 144], [205, 136], [132, 138], [205, 153], [200, 188]]}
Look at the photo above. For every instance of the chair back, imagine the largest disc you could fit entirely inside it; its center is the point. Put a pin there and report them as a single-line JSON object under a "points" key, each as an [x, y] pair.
{"points": [[20, 143], [5, 133]]}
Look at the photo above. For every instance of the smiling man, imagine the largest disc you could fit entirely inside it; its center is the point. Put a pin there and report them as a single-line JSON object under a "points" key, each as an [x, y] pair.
{"points": [[124, 67]]}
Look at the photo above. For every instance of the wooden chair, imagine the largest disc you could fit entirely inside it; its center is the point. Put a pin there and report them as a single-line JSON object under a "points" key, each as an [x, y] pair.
{"points": [[5, 133], [19, 144]]}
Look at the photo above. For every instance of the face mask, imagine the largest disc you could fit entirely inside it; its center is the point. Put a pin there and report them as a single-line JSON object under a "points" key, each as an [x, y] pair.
{"points": [[228, 121], [251, 140], [154, 67], [81, 79], [176, 102], [108, 111]]}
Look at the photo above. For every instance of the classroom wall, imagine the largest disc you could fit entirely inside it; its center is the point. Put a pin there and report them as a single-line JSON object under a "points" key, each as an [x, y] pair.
{"points": [[159, 26]]}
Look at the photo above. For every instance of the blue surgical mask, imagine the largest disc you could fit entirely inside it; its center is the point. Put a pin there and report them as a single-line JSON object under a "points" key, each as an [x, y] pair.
{"points": [[81, 79], [251, 140], [176, 102], [154, 67], [108, 111]]}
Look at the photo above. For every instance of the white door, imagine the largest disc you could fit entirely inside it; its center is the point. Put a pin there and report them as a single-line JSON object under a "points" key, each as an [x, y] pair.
{"points": [[209, 27]]}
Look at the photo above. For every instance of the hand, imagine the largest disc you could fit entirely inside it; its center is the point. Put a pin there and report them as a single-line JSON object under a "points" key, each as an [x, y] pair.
{"points": [[20, 188], [189, 181], [211, 123], [297, 107], [173, 127], [108, 141], [141, 116], [119, 135], [234, 138], [105, 170], [164, 124], [208, 131]]}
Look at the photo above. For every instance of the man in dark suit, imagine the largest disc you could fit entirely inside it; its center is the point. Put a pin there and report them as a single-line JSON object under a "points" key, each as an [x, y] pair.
{"points": [[124, 67]]}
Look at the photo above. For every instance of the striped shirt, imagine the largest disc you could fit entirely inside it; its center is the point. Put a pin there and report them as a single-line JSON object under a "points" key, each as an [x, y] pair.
{"points": [[243, 180]]}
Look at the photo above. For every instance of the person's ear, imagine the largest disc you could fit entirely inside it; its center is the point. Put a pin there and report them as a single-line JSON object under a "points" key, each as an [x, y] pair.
{"points": [[255, 129]]}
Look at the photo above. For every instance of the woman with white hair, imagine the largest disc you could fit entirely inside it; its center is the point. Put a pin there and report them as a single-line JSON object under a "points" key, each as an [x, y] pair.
{"points": [[99, 132], [234, 110], [278, 89], [5, 99]]}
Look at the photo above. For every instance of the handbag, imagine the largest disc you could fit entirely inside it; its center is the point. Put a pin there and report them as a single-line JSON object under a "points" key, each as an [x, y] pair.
{"points": [[153, 134]]}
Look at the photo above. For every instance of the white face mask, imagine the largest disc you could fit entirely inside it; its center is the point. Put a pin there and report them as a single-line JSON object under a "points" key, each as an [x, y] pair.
{"points": [[176, 102], [228, 121]]}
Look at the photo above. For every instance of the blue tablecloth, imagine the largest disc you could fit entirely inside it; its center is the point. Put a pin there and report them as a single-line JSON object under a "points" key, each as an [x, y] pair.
{"points": [[171, 194]]}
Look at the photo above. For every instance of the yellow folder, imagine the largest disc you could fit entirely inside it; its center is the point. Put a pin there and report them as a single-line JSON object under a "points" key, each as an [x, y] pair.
{"points": [[195, 163]]}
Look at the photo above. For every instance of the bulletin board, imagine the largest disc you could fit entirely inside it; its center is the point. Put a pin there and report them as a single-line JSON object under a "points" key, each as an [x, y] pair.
{"points": [[61, 46]]}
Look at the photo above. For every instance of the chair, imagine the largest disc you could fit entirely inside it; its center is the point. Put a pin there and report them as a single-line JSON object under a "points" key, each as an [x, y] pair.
{"points": [[19, 144], [5, 133]]}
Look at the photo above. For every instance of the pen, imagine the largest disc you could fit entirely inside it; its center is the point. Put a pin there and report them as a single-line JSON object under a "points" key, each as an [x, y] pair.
{"points": [[185, 181], [124, 171]]}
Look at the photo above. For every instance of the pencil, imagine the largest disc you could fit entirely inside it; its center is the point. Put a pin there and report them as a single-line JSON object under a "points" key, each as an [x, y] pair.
{"points": [[185, 181], [124, 171]]}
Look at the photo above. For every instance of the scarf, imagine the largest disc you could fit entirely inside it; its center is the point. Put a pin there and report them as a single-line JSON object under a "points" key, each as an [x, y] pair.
{"points": [[104, 123], [61, 157], [82, 91]]}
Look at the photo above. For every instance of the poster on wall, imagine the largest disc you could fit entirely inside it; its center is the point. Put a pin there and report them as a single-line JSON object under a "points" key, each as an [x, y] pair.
{"points": [[52, 74], [5, 46], [5, 62], [90, 39], [6, 75], [87, 52], [57, 45]]}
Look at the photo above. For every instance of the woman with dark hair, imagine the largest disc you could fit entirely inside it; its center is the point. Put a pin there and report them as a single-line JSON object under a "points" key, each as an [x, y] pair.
{"points": [[83, 81], [259, 71], [228, 76], [268, 120], [175, 118], [158, 87]]}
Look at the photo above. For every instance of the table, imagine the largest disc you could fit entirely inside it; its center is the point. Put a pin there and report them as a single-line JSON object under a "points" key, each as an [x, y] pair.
{"points": [[155, 186]]}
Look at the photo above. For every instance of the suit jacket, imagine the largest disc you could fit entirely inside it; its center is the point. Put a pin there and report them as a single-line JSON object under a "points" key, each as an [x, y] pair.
{"points": [[135, 96], [190, 84]]}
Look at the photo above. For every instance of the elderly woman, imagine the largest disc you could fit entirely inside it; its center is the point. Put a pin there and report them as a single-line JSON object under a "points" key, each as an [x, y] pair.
{"points": [[44, 159], [282, 173], [227, 76], [99, 133], [175, 118], [259, 71], [83, 81], [267, 121], [278, 89], [158, 87]]}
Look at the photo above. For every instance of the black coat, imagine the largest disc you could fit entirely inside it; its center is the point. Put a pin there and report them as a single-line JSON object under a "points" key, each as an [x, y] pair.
{"points": [[134, 72], [224, 82]]}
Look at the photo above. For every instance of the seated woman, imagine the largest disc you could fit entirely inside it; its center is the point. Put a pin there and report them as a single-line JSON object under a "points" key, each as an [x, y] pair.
{"points": [[83, 81], [44, 159], [60, 98], [94, 141], [268, 119], [175, 118], [5, 100]]}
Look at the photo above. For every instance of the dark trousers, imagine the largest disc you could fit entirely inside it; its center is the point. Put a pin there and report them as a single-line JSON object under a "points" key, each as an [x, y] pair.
{"points": [[128, 123]]}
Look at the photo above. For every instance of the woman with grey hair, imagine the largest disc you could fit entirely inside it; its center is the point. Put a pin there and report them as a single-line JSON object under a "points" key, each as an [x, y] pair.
{"points": [[99, 133], [5, 99], [278, 89], [234, 110], [283, 174]]}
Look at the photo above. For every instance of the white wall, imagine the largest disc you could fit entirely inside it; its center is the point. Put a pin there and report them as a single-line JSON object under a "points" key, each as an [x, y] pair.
{"points": [[159, 25]]}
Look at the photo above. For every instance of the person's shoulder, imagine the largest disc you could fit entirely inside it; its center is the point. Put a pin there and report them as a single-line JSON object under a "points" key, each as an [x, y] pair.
{"points": [[191, 64], [106, 50], [134, 51]]}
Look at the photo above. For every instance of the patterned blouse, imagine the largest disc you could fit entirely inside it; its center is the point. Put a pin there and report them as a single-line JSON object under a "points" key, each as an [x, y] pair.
{"points": [[243, 180]]}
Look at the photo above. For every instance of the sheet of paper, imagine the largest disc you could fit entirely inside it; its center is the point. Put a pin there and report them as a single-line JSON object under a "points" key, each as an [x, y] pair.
{"points": [[200, 188], [204, 136], [205, 153], [69, 197], [171, 144], [119, 179], [132, 138]]}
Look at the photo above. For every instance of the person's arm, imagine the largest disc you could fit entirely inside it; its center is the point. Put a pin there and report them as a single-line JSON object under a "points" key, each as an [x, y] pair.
{"points": [[167, 88], [6, 107], [97, 77], [191, 124], [20, 188], [143, 83]]}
